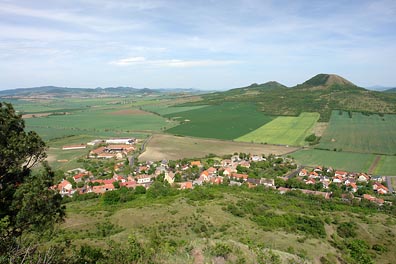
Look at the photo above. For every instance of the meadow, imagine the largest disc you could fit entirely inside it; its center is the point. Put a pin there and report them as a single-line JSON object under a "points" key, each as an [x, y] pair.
{"points": [[358, 132], [353, 162], [224, 121], [284, 130], [163, 146]]}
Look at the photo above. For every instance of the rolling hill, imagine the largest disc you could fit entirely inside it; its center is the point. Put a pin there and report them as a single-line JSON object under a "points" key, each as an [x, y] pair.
{"points": [[322, 93], [55, 91]]}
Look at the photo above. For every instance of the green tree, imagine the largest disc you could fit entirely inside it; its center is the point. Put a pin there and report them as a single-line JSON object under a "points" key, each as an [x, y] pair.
{"points": [[116, 184], [26, 201]]}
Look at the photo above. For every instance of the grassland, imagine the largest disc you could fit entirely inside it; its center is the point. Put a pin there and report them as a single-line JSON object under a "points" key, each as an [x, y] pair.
{"points": [[224, 121], [360, 133], [284, 130], [185, 226], [354, 162], [162, 146]]}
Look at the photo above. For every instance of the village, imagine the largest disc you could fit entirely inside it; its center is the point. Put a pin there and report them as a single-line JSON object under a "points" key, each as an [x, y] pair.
{"points": [[238, 169]]}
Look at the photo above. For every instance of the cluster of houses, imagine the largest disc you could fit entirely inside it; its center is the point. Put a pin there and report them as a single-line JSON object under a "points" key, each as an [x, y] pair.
{"points": [[350, 180], [227, 168], [221, 171]]}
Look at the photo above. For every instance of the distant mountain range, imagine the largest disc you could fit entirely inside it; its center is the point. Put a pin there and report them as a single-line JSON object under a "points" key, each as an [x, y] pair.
{"points": [[322, 93], [61, 91], [381, 88]]}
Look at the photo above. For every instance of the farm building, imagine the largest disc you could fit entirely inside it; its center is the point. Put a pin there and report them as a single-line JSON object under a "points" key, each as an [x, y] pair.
{"points": [[128, 141], [72, 147]]}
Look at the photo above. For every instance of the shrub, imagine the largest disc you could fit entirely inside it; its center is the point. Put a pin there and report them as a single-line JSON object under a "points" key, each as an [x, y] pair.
{"points": [[221, 250], [347, 230]]}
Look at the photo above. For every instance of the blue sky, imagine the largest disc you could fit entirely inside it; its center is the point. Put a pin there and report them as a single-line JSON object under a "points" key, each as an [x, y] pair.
{"points": [[200, 44]]}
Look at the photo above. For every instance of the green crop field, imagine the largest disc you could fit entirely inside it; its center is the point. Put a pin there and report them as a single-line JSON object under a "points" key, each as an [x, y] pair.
{"points": [[353, 162], [167, 110], [283, 130], [386, 166], [225, 121], [88, 121], [360, 133]]}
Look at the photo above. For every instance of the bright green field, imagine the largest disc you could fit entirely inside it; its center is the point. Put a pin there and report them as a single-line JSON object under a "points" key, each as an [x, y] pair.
{"points": [[386, 166], [94, 121], [283, 130], [366, 134], [225, 121], [167, 110], [353, 162]]}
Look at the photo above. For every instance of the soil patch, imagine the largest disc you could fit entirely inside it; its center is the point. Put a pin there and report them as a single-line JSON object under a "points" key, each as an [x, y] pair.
{"points": [[35, 115], [163, 146]]}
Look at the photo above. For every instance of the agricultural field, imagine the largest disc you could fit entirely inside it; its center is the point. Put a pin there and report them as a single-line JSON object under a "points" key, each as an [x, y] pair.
{"points": [[353, 162], [162, 146], [284, 130], [89, 121], [224, 121], [167, 109], [360, 133], [386, 166]]}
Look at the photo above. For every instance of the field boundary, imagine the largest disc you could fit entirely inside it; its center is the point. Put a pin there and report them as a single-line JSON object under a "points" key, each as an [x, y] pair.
{"points": [[374, 165]]}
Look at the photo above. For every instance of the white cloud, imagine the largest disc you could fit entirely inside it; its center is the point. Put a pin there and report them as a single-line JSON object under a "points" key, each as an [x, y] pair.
{"points": [[171, 62], [129, 61], [100, 24]]}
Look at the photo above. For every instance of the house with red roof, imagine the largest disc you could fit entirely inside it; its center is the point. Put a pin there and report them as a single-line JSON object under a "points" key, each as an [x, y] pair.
{"points": [[128, 184], [79, 177], [381, 189], [313, 175], [310, 181], [341, 173], [239, 176], [65, 188], [185, 185], [337, 179], [303, 173], [196, 163]]}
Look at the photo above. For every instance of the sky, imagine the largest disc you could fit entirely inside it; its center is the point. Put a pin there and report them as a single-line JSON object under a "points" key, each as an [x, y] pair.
{"points": [[203, 44]]}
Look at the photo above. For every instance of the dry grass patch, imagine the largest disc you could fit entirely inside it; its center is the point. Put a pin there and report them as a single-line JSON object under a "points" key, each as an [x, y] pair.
{"points": [[170, 147], [319, 128]]}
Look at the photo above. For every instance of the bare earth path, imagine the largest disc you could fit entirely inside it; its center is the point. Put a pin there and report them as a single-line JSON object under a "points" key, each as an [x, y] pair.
{"points": [[374, 164]]}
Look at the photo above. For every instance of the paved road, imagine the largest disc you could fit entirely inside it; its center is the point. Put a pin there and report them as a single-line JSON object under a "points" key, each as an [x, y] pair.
{"points": [[294, 173], [389, 183]]}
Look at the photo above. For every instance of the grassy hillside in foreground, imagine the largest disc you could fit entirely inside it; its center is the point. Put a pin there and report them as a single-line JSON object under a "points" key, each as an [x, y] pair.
{"points": [[223, 121], [283, 130], [218, 224], [322, 93], [359, 132]]}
